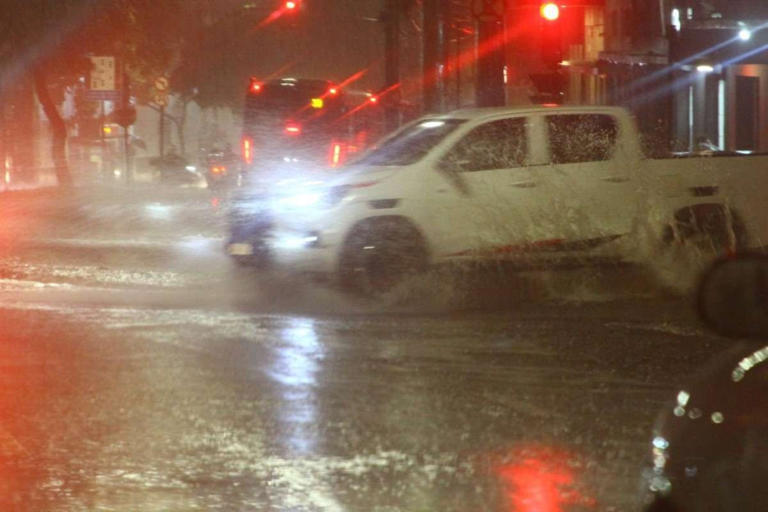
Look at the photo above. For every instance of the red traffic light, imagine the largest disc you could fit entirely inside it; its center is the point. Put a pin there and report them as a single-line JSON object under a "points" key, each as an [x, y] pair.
{"points": [[255, 86], [291, 5], [550, 11]]}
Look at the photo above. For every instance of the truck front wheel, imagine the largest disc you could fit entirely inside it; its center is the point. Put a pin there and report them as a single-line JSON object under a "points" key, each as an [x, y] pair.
{"points": [[381, 253]]}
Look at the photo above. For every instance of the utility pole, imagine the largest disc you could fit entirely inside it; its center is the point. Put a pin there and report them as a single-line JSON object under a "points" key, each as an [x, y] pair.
{"points": [[433, 49], [125, 116], [491, 44], [391, 19], [161, 131]]}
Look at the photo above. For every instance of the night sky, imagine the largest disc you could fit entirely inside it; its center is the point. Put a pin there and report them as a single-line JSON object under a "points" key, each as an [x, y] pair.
{"points": [[329, 39]]}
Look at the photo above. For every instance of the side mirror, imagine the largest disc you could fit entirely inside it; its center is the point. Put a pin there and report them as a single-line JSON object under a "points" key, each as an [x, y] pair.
{"points": [[733, 297]]}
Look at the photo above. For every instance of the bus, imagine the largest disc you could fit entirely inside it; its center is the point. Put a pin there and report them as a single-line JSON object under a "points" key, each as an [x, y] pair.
{"points": [[306, 120]]}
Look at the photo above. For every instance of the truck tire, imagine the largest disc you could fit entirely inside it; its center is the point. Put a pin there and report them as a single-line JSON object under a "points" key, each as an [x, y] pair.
{"points": [[379, 254]]}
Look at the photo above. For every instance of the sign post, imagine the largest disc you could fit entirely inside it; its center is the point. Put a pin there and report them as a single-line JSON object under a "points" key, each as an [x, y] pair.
{"points": [[103, 86], [125, 116], [161, 99]]}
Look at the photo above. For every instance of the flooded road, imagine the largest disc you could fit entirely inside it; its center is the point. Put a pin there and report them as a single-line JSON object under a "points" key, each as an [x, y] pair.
{"points": [[143, 371]]}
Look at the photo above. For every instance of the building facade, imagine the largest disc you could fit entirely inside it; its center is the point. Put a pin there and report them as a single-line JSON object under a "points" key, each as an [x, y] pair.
{"points": [[694, 71], [720, 52]]}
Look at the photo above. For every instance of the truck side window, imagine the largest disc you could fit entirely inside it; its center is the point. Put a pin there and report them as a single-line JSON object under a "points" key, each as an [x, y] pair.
{"points": [[495, 145], [575, 138]]}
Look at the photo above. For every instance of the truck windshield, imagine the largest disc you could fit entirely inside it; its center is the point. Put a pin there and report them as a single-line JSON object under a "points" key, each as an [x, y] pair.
{"points": [[412, 144]]}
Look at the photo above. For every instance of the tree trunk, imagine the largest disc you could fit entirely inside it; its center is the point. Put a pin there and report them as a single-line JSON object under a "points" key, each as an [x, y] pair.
{"points": [[180, 126], [58, 128]]}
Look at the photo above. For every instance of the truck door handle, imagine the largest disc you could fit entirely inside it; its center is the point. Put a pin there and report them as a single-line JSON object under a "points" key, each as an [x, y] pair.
{"points": [[524, 184], [615, 179]]}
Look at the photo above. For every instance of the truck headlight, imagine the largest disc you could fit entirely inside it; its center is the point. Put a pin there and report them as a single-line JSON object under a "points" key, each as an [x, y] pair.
{"points": [[301, 200], [295, 240]]}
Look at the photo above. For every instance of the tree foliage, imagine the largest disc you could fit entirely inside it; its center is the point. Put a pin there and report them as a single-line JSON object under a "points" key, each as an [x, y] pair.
{"points": [[50, 40]]}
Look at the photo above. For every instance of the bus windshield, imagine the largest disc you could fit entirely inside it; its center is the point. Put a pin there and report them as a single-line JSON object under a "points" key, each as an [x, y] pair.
{"points": [[293, 118]]}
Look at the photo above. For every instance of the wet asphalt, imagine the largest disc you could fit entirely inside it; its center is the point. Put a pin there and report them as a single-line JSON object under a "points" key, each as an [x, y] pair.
{"points": [[141, 370]]}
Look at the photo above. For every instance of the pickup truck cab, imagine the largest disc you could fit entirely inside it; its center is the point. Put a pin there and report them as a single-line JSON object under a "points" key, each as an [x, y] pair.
{"points": [[539, 186]]}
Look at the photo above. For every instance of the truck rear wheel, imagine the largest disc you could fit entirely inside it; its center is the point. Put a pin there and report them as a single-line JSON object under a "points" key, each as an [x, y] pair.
{"points": [[380, 254]]}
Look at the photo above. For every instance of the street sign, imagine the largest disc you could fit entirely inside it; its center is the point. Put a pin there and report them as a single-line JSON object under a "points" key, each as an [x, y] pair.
{"points": [[161, 83], [103, 80], [103, 74], [488, 10], [103, 95]]}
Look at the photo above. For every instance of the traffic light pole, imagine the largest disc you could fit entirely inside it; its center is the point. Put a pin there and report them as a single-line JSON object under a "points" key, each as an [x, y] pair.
{"points": [[434, 55], [490, 64], [392, 10]]}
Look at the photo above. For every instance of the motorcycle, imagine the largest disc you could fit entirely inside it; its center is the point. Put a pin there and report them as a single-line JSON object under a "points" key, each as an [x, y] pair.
{"points": [[222, 168]]}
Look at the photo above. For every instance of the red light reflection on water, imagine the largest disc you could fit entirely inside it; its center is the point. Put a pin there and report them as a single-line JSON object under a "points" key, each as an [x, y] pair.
{"points": [[540, 478]]}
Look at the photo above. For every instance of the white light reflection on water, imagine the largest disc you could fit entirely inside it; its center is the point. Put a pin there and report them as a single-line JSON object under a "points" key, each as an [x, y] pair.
{"points": [[295, 368]]}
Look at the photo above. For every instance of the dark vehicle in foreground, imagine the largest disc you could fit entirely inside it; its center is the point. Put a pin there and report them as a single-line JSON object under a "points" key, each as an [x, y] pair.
{"points": [[710, 445]]}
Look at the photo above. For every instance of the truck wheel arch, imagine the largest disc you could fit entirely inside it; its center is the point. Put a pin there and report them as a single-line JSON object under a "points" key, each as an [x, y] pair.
{"points": [[714, 219]]}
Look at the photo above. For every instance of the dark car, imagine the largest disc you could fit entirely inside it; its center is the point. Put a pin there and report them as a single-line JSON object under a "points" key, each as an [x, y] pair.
{"points": [[710, 445], [173, 169]]}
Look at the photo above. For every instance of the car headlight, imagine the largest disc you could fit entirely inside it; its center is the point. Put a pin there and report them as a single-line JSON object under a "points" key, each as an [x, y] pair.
{"points": [[301, 200]]}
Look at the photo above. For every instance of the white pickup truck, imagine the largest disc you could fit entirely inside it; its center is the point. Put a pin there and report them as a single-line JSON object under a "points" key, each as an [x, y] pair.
{"points": [[531, 186]]}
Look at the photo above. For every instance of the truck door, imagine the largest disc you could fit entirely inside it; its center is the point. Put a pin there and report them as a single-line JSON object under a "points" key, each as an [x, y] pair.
{"points": [[493, 206], [591, 191]]}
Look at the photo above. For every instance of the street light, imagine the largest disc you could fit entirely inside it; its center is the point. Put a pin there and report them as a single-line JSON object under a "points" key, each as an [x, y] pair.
{"points": [[745, 34]]}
